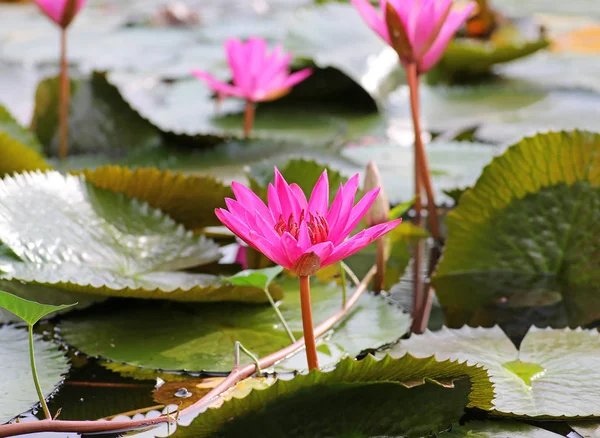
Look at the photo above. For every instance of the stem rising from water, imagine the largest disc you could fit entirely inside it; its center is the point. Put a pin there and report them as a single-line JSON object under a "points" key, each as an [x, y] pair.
{"points": [[307, 323], [35, 376], [63, 148]]}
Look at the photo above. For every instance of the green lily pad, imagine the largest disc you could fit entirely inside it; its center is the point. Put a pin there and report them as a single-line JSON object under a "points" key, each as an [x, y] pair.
{"points": [[466, 58], [587, 429], [15, 157], [255, 277], [171, 345], [100, 120], [546, 383], [188, 199], [334, 35], [419, 395], [29, 311], [528, 225], [13, 129], [72, 235], [17, 392], [498, 429], [186, 111]]}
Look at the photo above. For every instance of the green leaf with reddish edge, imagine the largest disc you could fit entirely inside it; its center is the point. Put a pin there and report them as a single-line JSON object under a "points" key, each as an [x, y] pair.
{"points": [[188, 199], [17, 392], [171, 345], [71, 235], [530, 224], [541, 379], [396, 397]]}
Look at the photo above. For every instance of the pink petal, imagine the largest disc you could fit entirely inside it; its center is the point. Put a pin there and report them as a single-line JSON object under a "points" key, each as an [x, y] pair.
{"points": [[234, 50], [250, 200], [360, 241], [360, 209], [274, 65], [434, 54], [297, 77], [289, 204], [322, 250], [425, 23], [267, 229], [337, 225], [303, 237], [218, 86], [291, 249], [257, 50], [372, 18], [236, 226], [55, 9], [319, 198], [272, 250], [274, 204], [300, 196], [336, 206]]}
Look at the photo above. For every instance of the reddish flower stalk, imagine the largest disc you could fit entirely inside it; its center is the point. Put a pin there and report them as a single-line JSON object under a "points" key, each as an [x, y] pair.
{"points": [[258, 75], [307, 324], [62, 12], [302, 235]]}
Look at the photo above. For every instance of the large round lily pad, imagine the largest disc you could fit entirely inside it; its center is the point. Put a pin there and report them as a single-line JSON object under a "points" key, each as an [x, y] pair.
{"points": [[540, 379], [529, 226], [202, 337]]}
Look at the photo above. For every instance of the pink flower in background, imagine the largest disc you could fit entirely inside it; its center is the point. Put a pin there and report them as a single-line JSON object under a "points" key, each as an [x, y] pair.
{"points": [[428, 24], [293, 231], [258, 75], [62, 12]]}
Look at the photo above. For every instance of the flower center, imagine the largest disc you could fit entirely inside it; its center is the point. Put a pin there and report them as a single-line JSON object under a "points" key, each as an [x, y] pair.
{"points": [[318, 228]]}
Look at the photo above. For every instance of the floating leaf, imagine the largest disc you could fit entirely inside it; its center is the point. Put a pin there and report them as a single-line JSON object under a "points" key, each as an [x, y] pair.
{"points": [[171, 345], [188, 199], [17, 392], [392, 397], [587, 429], [466, 58], [498, 429], [14, 130], [29, 311], [529, 224], [541, 379], [260, 278], [334, 35], [15, 157], [100, 120], [74, 236]]}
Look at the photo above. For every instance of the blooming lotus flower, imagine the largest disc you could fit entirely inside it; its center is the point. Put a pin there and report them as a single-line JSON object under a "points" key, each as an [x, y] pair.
{"points": [[258, 75], [62, 12], [299, 234], [427, 26]]}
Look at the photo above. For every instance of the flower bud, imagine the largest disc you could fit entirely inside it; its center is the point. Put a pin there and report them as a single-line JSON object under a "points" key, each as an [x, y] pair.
{"points": [[380, 210]]}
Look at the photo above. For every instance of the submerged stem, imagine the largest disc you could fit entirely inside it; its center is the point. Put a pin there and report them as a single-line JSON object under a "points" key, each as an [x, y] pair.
{"points": [[280, 315], [248, 118], [422, 174], [63, 148], [350, 273], [35, 376], [307, 323], [344, 283]]}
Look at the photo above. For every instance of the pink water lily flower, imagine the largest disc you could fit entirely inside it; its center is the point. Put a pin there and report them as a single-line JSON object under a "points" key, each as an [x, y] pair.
{"points": [[428, 24], [258, 75], [291, 229], [62, 12]]}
